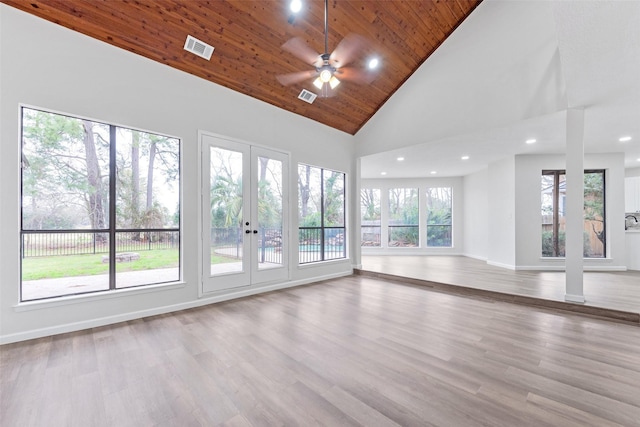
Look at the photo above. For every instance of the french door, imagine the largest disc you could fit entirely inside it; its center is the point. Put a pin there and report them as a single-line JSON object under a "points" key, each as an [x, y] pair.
{"points": [[245, 214]]}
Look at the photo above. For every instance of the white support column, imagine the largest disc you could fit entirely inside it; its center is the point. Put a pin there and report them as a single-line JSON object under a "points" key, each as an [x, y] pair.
{"points": [[354, 198], [574, 261], [384, 215]]}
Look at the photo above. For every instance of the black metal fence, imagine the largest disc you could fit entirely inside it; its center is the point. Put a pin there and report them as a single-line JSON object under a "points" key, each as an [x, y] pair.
{"points": [[320, 244], [39, 244], [227, 241], [270, 245]]}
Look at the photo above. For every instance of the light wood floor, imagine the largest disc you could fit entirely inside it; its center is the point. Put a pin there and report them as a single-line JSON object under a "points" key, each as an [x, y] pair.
{"points": [[350, 351], [609, 290]]}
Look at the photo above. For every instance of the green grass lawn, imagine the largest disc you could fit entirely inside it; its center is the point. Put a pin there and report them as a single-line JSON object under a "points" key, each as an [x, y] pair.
{"points": [[51, 267]]}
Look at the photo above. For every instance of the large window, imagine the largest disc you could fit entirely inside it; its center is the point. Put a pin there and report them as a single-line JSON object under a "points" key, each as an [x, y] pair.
{"points": [[439, 203], [100, 206], [321, 214], [370, 219], [553, 196], [403, 217]]}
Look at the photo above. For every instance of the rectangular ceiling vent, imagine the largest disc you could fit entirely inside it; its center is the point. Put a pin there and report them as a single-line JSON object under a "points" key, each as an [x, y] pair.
{"points": [[198, 47], [307, 96]]}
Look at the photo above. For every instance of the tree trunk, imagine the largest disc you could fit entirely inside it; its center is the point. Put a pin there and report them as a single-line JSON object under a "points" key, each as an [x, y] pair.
{"points": [[304, 191], [264, 161], [94, 178], [152, 158], [135, 180]]}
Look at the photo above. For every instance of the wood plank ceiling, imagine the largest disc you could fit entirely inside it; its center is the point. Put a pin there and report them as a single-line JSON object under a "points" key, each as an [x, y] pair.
{"points": [[248, 37]]}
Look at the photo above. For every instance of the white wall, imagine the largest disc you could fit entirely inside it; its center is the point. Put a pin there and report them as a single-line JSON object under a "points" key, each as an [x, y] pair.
{"points": [[527, 194], [47, 66], [630, 172], [501, 217], [421, 183], [476, 215]]}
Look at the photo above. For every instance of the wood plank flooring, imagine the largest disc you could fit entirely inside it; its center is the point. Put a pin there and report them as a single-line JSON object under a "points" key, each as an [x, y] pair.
{"points": [[608, 290], [344, 352]]}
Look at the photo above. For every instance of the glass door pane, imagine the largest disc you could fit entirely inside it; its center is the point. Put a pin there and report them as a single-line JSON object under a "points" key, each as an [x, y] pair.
{"points": [[269, 195], [270, 220], [226, 210]]}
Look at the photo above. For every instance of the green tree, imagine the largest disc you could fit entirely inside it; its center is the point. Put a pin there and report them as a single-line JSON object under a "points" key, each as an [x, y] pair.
{"points": [[403, 211], [370, 204], [143, 162], [333, 200], [63, 164], [439, 203], [304, 197], [226, 201], [594, 203]]}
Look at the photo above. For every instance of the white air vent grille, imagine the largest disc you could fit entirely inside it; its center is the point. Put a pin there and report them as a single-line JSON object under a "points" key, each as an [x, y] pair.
{"points": [[307, 96], [198, 47]]}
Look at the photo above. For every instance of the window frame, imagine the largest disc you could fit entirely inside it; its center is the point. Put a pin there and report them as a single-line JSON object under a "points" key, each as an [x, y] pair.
{"points": [[556, 173], [375, 243], [410, 228], [449, 225], [322, 227], [111, 230]]}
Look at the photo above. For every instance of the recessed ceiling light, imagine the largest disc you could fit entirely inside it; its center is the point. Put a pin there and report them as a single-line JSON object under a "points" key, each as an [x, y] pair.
{"points": [[465, 157], [530, 141], [400, 159], [625, 139], [295, 6], [373, 63], [433, 172], [383, 173]]}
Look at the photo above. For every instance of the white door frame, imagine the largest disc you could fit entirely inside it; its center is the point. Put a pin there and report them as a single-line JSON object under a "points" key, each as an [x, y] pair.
{"points": [[250, 272]]}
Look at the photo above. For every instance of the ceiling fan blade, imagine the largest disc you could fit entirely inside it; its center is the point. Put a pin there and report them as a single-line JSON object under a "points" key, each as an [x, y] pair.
{"points": [[299, 48], [356, 76], [346, 50], [291, 78]]}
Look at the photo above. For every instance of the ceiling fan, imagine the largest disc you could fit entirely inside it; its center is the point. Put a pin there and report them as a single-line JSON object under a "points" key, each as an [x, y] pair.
{"points": [[329, 68]]}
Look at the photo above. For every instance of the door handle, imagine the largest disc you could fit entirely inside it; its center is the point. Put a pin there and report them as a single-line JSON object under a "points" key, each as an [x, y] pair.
{"points": [[247, 231], [255, 231]]}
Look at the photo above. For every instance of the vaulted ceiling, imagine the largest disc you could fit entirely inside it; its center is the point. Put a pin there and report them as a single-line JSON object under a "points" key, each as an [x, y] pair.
{"points": [[248, 37]]}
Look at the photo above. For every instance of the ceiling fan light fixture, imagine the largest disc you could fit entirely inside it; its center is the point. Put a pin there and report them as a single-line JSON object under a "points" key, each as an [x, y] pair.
{"points": [[295, 6], [318, 83], [333, 82], [325, 75]]}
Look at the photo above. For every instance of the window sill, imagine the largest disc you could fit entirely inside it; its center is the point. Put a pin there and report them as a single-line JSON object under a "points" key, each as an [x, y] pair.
{"points": [[95, 296]]}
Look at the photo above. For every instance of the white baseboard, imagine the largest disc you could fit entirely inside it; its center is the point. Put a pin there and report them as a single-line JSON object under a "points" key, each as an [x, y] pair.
{"points": [[501, 265], [206, 299], [478, 257], [562, 268], [214, 297], [574, 298], [409, 252]]}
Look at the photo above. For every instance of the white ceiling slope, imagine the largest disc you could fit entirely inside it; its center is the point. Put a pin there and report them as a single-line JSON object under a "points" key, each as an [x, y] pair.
{"points": [[507, 74]]}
